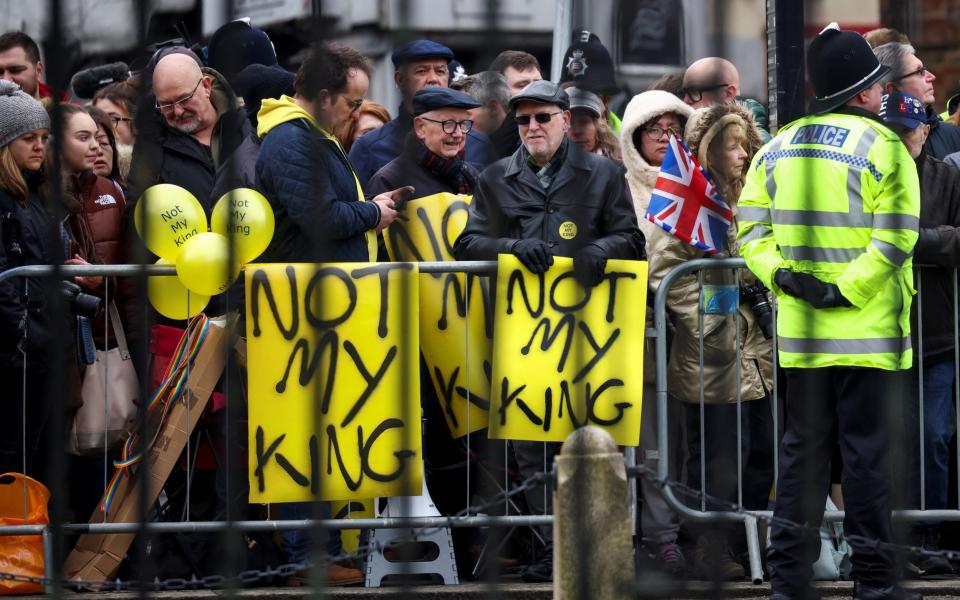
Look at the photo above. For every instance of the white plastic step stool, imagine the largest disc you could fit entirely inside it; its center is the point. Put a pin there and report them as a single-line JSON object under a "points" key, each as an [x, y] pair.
{"points": [[444, 565]]}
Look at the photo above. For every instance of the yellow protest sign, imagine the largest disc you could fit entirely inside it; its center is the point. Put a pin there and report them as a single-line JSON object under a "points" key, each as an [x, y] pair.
{"points": [[566, 356], [334, 388], [456, 310]]}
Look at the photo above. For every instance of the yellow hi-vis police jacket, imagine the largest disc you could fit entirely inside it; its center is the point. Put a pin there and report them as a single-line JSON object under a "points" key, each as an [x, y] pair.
{"points": [[836, 196]]}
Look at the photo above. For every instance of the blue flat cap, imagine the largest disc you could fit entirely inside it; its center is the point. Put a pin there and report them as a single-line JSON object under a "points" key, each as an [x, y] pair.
{"points": [[432, 98], [544, 92], [420, 49]]}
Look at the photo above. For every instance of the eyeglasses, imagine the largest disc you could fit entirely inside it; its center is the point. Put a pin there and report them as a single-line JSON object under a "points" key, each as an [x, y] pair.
{"points": [[696, 93], [921, 71], [104, 142], [117, 119], [180, 102], [655, 133], [450, 126], [542, 118], [355, 105]]}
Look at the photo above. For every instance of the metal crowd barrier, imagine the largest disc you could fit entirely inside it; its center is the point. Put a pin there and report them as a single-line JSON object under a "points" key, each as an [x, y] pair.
{"points": [[749, 518], [474, 518]]}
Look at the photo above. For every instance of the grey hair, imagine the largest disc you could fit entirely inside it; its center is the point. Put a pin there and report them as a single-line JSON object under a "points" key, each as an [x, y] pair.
{"points": [[892, 55], [486, 86]]}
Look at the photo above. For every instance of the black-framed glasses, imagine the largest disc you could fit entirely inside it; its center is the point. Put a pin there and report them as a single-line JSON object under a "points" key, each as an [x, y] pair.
{"points": [[655, 133], [696, 93], [355, 105], [450, 126], [181, 101], [117, 119], [921, 71], [542, 118]]}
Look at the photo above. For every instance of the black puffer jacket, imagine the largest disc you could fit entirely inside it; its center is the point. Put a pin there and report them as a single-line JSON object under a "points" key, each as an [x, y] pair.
{"points": [[944, 137], [589, 191], [27, 228], [938, 244]]}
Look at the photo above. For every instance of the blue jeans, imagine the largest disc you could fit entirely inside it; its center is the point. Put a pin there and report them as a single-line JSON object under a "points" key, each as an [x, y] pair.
{"points": [[938, 430], [296, 543]]}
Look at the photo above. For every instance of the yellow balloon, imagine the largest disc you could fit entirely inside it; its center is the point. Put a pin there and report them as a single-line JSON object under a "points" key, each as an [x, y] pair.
{"points": [[249, 217], [166, 217], [202, 264], [171, 299]]}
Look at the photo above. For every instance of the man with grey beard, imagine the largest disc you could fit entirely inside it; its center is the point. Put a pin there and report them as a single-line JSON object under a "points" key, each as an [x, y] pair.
{"points": [[196, 136]]}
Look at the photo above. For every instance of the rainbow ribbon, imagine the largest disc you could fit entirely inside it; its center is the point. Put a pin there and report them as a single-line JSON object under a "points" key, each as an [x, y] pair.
{"points": [[170, 390]]}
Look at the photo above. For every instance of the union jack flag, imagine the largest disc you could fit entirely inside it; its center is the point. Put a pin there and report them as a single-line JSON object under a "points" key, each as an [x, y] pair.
{"points": [[686, 203]]}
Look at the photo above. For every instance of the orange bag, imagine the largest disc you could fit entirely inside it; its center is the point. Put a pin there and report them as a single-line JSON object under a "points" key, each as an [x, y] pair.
{"points": [[23, 501]]}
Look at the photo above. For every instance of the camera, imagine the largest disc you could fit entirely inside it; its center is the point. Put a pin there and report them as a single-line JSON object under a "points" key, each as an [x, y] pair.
{"points": [[756, 297], [83, 305]]}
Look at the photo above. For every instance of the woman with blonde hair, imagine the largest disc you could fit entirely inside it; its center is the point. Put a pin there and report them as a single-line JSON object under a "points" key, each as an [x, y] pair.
{"points": [[720, 365], [29, 330]]}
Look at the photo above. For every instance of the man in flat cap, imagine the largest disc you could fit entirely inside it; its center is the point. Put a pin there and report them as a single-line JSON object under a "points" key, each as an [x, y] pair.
{"points": [[419, 64], [432, 159], [828, 221], [550, 198]]}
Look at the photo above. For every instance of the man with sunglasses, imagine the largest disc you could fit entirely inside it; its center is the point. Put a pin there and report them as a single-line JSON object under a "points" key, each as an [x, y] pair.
{"points": [[714, 80], [420, 64], [907, 75], [550, 198]]}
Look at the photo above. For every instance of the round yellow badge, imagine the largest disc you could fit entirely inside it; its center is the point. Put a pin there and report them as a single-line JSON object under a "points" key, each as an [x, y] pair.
{"points": [[568, 230]]}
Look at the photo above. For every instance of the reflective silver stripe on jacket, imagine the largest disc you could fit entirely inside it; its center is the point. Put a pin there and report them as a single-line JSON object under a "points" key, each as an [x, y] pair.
{"points": [[757, 232], [816, 254], [893, 254], [843, 346]]}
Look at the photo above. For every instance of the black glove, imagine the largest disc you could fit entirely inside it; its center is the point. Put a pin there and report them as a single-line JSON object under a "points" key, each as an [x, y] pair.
{"points": [[805, 286], [588, 265], [534, 254]]}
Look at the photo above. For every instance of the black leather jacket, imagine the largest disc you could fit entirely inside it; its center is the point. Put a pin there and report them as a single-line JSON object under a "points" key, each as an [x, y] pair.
{"points": [[589, 192]]}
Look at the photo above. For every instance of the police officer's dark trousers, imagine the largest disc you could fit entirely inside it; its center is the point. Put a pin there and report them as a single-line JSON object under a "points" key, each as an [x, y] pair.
{"points": [[824, 407]]}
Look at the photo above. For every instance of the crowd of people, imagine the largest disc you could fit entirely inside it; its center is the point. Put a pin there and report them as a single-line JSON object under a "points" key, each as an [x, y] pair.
{"points": [[336, 166]]}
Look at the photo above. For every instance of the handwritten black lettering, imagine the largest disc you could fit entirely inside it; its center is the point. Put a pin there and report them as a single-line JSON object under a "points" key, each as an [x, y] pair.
{"points": [[313, 308], [567, 322], [555, 304], [260, 281], [599, 351], [372, 381], [382, 270], [613, 277], [517, 278]]}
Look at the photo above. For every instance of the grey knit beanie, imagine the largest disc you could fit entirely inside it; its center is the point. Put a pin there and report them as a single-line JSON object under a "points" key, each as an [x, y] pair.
{"points": [[20, 113]]}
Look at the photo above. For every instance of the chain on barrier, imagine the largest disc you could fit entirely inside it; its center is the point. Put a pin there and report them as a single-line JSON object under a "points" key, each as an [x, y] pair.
{"points": [[284, 570]]}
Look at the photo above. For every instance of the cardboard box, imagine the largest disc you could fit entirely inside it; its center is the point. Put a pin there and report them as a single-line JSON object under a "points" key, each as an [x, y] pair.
{"points": [[97, 557]]}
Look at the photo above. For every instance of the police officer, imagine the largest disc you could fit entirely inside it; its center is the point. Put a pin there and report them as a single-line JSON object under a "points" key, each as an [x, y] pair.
{"points": [[828, 220]]}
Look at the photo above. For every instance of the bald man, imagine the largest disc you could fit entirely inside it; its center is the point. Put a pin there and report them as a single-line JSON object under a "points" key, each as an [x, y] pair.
{"points": [[196, 136], [710, 81], [714, 80], [183, 96]]}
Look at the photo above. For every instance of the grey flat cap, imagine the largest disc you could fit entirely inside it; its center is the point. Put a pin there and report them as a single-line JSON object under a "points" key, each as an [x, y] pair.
{"points": [[544, 92], [585, 99]]}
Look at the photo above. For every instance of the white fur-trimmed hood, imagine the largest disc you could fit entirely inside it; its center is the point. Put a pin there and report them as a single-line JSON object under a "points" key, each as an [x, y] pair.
{"points": [[641, 109]]}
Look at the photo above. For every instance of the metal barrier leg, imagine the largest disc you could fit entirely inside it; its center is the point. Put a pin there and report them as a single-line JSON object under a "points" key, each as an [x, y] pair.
{"points": [[753, 549], [49, 572]]}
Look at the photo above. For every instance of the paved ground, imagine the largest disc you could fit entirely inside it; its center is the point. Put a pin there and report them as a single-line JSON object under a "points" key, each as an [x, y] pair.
{"points": [[931, 590]]}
